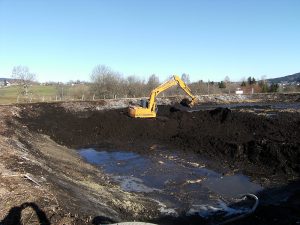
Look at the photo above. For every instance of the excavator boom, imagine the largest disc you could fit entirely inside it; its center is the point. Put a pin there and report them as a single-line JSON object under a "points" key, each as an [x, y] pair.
{"points": [[151, 108]]}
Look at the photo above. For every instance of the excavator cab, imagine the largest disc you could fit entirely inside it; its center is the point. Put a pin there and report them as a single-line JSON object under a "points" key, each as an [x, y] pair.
{"points": [[148, 108], [144, 103]]}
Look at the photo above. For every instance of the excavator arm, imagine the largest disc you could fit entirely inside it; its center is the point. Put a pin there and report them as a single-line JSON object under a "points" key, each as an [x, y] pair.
{"points": [[168, 84], [150, 110]]}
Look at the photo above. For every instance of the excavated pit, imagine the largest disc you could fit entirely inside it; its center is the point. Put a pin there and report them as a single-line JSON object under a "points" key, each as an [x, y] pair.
{"points": [[263, 146], [244, 139]]}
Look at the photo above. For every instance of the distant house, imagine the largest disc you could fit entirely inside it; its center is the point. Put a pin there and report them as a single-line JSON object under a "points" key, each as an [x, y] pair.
{"points": [[6, 83]]}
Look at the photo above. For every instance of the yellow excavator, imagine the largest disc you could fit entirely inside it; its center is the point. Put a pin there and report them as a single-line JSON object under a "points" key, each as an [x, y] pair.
{"points": [[148, 108]]}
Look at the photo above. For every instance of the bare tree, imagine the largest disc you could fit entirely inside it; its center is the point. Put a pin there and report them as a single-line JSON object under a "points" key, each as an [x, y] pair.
{"points": [[61, 90], [135, 87], [263, 84], [24, 78], [106, 82], [186, 78], [227, 79], [152, 83], [80, 91], [227, 83]]}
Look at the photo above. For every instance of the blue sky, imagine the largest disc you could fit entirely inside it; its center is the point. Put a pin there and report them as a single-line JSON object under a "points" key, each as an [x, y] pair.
{"points": [[65, 40]]}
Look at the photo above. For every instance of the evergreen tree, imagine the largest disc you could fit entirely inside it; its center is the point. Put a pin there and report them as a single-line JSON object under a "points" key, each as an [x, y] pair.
{"points": [[222, 84]]}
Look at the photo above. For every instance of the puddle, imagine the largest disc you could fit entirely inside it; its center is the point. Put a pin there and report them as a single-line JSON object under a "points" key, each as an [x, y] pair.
{"points": [[178, 181], [231, 186]]}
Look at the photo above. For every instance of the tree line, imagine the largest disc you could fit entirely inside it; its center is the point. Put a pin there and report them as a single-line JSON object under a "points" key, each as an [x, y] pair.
{"points": [[107, 83]]}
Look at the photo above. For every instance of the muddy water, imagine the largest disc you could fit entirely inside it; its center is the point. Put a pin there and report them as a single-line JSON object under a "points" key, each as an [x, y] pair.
{"points": [[179, 182]]}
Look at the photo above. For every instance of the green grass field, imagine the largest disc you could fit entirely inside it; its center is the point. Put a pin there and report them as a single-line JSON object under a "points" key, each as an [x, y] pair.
{"points": [[9, 95], [39, 93]]}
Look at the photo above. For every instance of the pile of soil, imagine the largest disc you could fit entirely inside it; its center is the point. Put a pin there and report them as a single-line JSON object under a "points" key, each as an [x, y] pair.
{"points": [[248, 141]]}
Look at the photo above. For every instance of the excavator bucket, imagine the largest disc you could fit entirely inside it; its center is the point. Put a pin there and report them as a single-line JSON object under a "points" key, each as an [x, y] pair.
{"points": [[184, 106], [186, 102]]}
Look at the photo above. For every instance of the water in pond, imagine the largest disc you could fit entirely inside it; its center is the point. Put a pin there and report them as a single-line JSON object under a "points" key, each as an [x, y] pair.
{"points": [[179, 181]]}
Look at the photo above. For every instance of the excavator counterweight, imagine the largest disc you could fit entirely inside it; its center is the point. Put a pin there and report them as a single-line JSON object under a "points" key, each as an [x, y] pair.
{"points": [[148, 109]]}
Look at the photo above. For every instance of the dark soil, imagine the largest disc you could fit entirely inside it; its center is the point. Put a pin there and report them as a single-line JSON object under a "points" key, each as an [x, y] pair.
{"points": [[240, 137], [258, 145]]}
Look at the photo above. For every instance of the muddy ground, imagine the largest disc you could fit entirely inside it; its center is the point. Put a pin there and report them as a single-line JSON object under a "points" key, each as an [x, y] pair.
{"points": [[41, 173]]}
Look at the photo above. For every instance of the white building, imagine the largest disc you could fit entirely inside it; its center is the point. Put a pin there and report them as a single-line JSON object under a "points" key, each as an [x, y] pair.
{"points": [[239, 91]]}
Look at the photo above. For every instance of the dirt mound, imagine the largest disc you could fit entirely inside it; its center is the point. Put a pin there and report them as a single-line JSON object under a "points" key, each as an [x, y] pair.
{"points": [[249, 141]]}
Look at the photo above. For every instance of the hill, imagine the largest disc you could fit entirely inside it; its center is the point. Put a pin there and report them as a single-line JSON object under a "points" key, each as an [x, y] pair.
{"points": [[7, 79], [288, 79]]}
